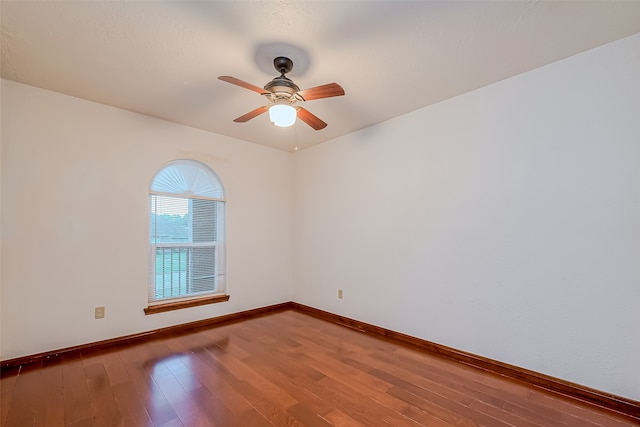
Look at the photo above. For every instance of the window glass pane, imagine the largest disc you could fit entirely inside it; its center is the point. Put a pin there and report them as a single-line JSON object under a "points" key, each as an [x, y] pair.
{"points": [[203, 271], [182, 271], [169, 219], [204, 220], [171, 279]]}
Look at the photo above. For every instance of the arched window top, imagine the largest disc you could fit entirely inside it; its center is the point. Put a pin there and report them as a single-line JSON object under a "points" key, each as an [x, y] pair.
{"points": [[187, 178]]}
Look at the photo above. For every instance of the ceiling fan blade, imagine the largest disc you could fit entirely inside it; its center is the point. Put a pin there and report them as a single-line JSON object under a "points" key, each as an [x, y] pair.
{"points": [[324, 91], [250, 115], [242, 83], [310, 119]]}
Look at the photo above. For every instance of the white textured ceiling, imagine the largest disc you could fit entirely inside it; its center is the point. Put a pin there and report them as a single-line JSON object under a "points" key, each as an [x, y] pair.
{"points": [[162, 59]]}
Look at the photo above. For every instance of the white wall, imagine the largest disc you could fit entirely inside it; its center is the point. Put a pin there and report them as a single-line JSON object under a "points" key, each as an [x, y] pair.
{"points": [[504, 222], [75, 179]]}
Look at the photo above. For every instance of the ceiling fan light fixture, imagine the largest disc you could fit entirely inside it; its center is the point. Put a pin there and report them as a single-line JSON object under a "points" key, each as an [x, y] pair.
{"points": [[282, 115], [282, 93]]}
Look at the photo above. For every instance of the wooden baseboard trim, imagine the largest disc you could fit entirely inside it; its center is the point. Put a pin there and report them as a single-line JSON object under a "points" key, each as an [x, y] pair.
{"points": [[608, 401], [147, 335]]}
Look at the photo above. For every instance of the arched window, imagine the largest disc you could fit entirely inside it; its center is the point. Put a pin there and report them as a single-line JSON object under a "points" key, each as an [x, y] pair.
{"points": [[187, 237]]}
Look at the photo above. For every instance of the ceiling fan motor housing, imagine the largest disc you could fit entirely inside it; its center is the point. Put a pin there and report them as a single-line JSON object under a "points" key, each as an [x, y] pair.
{"points": [[282, 85]]}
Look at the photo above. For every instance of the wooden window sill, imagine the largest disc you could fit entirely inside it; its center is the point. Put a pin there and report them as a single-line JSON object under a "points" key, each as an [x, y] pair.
{"points": [[178, 305]]}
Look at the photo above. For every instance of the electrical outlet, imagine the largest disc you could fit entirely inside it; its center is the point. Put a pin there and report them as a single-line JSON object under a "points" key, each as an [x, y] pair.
{"points": [[100, 312], [340, 294]]}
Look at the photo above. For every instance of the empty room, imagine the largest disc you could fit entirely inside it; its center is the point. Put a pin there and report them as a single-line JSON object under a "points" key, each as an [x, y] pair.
{"points": [[320, 213]]}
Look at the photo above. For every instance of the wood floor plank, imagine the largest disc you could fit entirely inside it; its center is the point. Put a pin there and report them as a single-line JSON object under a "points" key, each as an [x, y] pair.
{"points": [[446, 413], [131, 405], [211, 405], [226, 391], [425, 418], [471, 381], [274, 412], [270, 391], [172, 423], [77, 404], [307, 416], [103, 403], [52, 398], [295, 385], [365, 384], [190, 414], [338, 418], [254, 419], [114, 368], [489, 400], [25, 405], [499, 413], [172, 389], [572, 412], [406, 378], [182, 370], [8, 381], [456, 390], [282, 369], [140, 363], [360, 407], [220, 383], [86, 422], [158, 407]]}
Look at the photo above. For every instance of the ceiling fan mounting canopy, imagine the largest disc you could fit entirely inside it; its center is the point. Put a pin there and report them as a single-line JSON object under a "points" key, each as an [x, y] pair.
{"points": [[283, 65], [282, 90]]}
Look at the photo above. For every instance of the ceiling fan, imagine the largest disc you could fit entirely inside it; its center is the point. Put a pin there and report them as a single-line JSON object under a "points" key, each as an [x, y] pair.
{"points": [[283, 94]]}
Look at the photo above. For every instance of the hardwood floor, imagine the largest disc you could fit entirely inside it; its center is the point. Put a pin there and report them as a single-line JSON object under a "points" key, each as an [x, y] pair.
{"points": [[282, 369]]}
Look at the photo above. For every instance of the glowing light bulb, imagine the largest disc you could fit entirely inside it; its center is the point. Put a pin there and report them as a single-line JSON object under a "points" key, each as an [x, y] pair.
{"points": [[282, 115]]}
